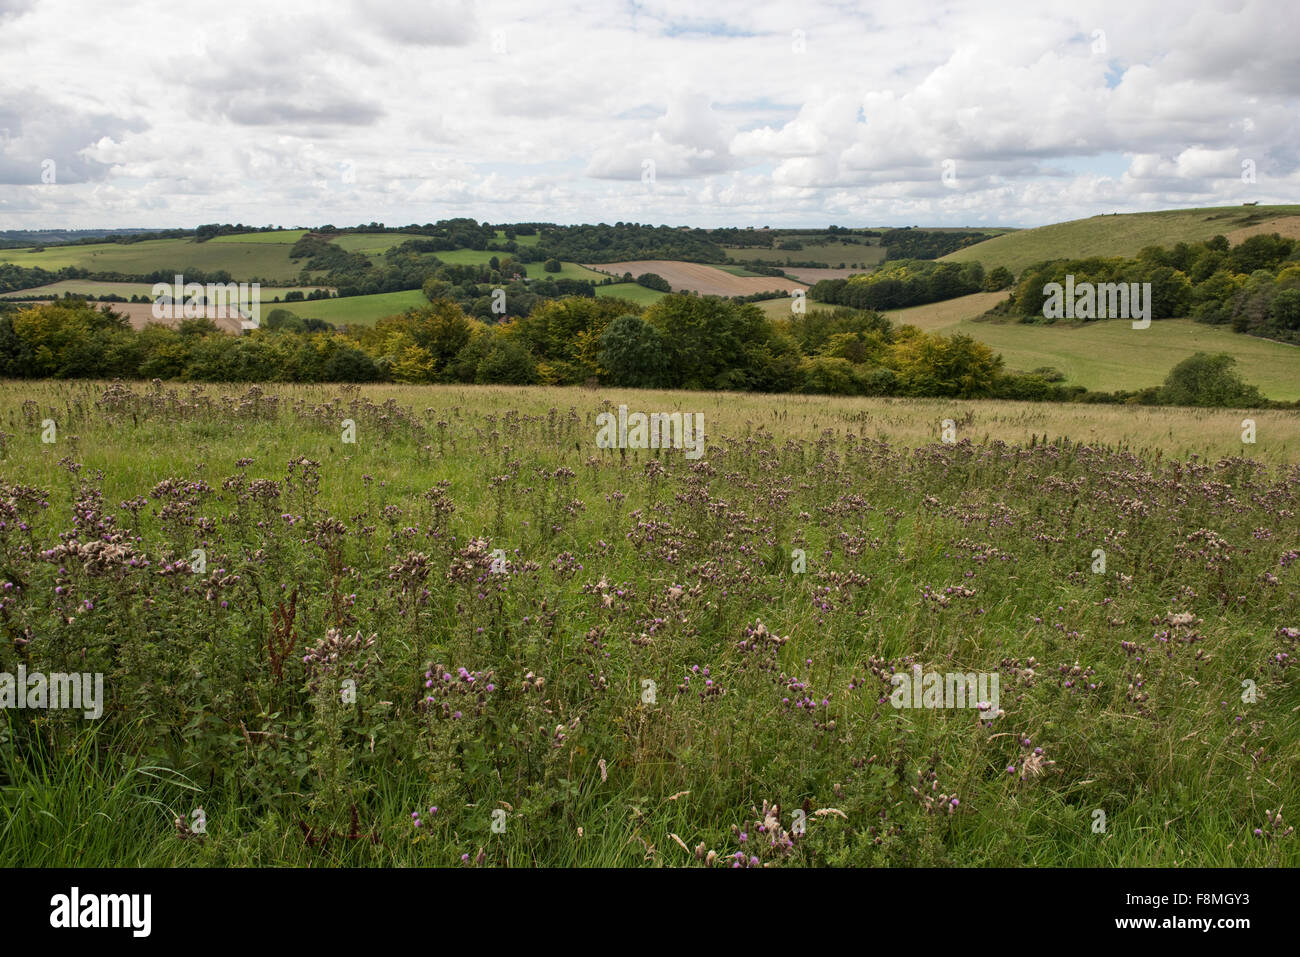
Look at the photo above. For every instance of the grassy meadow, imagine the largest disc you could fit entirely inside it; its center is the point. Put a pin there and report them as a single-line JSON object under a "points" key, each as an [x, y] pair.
{"points": [[832, 253], [277, 236], [306, 630], [1110, 355], [266, 259], [632, 292], [1125, 234], [357, 310]]}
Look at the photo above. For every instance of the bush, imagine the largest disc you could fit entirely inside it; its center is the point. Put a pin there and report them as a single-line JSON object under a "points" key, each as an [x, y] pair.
{"points": [[507, 363], [653, 281], [1208, 380]]}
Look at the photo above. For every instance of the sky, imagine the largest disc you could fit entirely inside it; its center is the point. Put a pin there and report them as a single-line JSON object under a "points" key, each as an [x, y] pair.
{"points": [[810, 113]]}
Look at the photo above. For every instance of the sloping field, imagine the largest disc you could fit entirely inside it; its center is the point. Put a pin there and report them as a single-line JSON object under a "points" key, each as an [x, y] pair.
{"points": [[696, 277], [935, 316], [290, 236], [811, 275], [1288, 226], [1119, 235], [91, 287], [630, 291], [373, 243], [833, 253], [359, 310], [1107, 355], [244, 261], [1113, 355]]}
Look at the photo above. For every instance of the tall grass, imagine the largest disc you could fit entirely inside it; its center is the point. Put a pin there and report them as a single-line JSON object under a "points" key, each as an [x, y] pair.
{"points": [[227, 687]]}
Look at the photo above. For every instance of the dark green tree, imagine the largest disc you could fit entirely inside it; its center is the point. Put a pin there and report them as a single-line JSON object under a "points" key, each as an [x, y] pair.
{"points": [[632, 352]]}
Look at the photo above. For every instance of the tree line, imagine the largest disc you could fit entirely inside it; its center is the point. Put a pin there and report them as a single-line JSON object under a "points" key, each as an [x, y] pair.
{"points": [[681, 342], [1254, 287], [909, 282]]}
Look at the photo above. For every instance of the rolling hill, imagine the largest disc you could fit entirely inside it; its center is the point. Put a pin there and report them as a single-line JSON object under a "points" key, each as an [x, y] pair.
{"points": [[1110, 355], [1126, 234]]}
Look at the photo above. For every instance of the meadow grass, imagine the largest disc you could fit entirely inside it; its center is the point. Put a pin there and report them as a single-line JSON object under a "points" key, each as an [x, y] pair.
{"points": [[357, 310], [1121, 689], [1110, 355], [632, 292]]}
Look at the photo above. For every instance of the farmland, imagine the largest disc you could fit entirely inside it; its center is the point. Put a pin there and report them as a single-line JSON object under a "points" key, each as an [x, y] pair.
{"points": [[632, 292], [266, 260], [696, 277], [651, 676], [94, 288], [1111, 355], [865, 255], [361, 310]]}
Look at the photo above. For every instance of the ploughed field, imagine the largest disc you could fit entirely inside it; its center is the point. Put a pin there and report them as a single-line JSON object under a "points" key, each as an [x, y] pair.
{"points": [[321, 612]]}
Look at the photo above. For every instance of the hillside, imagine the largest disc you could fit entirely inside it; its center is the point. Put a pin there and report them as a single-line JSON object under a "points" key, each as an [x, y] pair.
{"points": [[1126, 234], [1110, 356], [263, 257]]}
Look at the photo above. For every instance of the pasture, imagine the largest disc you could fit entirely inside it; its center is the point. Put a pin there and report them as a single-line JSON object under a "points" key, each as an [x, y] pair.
{"points": [[698, 277], [1111, 355], [265, 260], [861, 257], [95, 288], [439, 626], [632, 292], [1125, 234], [356, 310]]}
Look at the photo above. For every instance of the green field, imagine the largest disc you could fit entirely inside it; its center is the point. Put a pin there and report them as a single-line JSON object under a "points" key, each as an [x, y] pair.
{"points": [[1120, 235], [245, 256], [91, 287], [631, 291], [738, 270], [358, 310], [289, 236], [365, 310], [266, 260], [780, 308], [478, 257], [567, 271], [1108, 356], [1112, 355], [830, 253], [647, 665], [532, 240], [372, 244]]}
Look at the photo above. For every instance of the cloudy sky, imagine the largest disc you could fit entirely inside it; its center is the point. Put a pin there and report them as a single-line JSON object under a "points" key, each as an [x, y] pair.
{"points": [[170, 113]]}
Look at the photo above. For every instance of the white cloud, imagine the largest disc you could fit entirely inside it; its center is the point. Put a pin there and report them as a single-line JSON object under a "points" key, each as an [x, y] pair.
{"points": [[506, 109]]}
